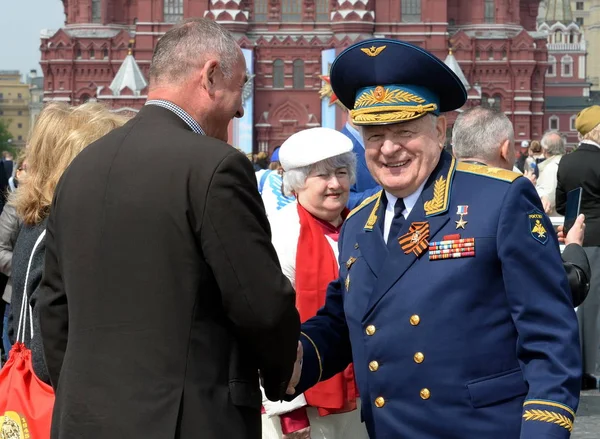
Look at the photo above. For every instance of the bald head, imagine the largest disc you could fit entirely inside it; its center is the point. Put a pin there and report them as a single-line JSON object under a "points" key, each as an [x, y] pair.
{"points": [[553, 144]]}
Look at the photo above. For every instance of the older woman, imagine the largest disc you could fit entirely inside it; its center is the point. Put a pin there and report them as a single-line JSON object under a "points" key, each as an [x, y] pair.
{"points": [[319, 168], [60, 133]]}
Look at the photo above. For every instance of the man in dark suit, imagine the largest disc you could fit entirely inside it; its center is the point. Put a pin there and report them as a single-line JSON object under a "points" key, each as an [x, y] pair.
{"points": [[162, 301], [581, 168], [365, 185]]}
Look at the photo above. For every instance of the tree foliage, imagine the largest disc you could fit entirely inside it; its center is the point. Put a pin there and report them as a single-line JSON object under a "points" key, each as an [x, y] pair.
{"points": [[5, 135]]}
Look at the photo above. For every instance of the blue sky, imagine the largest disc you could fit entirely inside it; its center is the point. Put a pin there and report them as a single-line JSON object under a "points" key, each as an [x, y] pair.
{"points": [[20, 25]]}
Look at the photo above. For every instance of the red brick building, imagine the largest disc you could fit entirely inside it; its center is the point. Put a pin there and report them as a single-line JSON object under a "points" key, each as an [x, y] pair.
{"points": [[289, 44]]}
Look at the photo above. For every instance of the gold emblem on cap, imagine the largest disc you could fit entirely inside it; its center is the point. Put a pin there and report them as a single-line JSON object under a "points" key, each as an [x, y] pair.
{"points": [[373, 51], [379, 93]]}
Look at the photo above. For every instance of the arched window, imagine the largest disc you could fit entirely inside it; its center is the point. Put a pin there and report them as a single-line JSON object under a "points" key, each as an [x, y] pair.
{"points": [[551, 66], [411, 11], [278, 78], [96, 11], [553, 123], [261, 11], [490, 53], [567, 66], [299, 74], [558, 36], [489, 11], [496, 103], [485, 100], [92, 54], [291, 10], [173, 11], [322, 10], [105, 53], [573, 118]]}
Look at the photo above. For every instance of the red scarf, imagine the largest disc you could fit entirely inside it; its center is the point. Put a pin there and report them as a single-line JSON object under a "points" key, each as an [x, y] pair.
{"points": [[316, 267]]}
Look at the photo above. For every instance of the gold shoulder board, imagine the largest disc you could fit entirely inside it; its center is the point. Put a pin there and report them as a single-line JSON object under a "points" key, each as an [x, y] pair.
{"points": [[365, 202], [488, 171]]}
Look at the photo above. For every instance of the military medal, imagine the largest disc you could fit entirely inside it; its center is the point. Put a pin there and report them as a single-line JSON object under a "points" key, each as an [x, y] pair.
{"points": [[415, 241], [347, 283], [462, 211], [452, 249]]}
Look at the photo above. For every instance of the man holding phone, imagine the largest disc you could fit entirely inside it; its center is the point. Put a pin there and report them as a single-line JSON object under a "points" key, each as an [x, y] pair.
{"points": [[581, 169]]}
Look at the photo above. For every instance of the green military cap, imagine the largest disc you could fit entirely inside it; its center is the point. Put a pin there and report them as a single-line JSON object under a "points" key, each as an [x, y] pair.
{"points": [[587, 119]]}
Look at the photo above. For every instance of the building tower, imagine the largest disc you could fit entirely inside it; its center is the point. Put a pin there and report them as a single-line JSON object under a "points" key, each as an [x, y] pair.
{"points": [[567, 90]]}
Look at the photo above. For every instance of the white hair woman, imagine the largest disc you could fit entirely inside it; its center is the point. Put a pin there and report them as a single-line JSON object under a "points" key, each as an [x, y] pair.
{"points": [[319, 168]]}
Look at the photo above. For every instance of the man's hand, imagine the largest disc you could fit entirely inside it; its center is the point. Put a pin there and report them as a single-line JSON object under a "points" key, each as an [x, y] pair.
{"points": [[296, 374], [575, 235], [300, 434]]}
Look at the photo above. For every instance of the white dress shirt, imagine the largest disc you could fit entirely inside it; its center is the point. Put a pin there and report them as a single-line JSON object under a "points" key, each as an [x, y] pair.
{"points": [[409, 203]]}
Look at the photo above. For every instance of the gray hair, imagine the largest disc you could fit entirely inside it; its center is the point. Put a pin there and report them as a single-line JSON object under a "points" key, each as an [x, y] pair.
{"points": [[187, 46], [295, 179], [479, 132], [553, 143]]}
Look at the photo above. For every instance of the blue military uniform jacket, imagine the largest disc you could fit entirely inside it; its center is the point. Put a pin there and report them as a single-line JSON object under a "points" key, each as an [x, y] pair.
{"points": [[480, 346]]}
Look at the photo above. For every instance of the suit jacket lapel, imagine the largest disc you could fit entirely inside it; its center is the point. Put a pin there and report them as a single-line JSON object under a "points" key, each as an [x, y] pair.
{"points": [[431, 207]]}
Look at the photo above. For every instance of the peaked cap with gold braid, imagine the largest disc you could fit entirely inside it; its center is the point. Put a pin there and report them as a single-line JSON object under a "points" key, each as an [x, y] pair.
{"points": [[386, 81]]}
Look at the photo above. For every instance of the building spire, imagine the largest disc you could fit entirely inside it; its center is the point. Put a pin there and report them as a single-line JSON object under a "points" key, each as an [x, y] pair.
{"points": [[559, 11], [129, 76], [453, 64]]}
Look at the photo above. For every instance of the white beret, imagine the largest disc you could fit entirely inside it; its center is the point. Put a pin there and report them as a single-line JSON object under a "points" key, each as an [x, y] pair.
{"points": [[311, 146]]}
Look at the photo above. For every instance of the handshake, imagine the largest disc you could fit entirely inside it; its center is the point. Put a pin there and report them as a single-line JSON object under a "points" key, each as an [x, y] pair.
{"points": [[291, 388]]}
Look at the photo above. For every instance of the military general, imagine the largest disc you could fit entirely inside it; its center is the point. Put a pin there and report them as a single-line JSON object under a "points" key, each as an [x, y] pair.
{"points": [[451, 332]]}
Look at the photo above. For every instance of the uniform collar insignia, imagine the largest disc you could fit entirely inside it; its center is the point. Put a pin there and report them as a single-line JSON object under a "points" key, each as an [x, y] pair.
{"points": [[440, 200]]}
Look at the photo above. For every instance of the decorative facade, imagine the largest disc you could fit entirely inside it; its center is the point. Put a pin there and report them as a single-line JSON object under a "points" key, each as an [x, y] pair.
{"points": [[289, 46], [567, 89]]}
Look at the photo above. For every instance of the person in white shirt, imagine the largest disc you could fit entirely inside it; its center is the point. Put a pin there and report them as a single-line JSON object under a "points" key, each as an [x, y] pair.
{"points": [[553, 146], [319, 169]]}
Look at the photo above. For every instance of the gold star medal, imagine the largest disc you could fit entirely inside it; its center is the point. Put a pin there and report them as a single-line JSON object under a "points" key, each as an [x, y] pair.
{"points": [[462, 211]]}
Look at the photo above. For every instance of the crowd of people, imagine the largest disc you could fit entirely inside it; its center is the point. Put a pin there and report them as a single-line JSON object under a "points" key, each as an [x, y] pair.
{"points": [[362, 283]]}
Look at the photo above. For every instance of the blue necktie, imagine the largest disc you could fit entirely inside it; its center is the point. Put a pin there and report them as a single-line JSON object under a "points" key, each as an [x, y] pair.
{"points": [[396, 224]]}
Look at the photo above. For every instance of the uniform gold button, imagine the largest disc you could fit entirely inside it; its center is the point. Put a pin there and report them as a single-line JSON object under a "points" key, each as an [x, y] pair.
{"points": [[370, 330], [425, 393], [419, 357], [415, 320], [379, 402], [373, 366]]}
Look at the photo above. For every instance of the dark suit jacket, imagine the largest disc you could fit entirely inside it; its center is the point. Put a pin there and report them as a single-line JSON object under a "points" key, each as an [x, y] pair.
{"points": [[365, 185], [163, 295], [578, 270], [582, 168]]}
